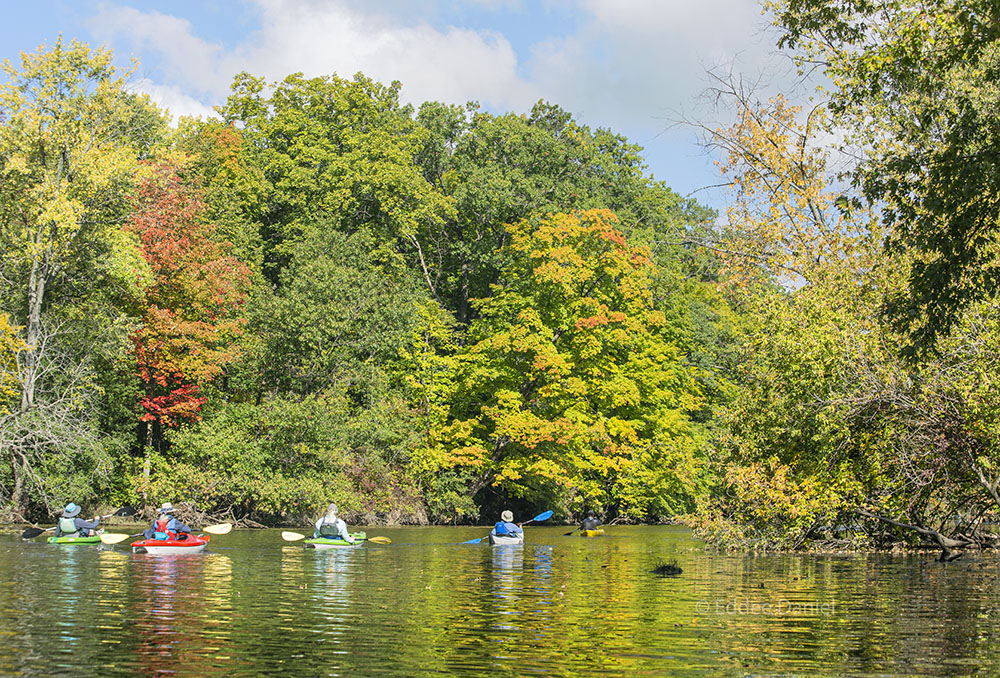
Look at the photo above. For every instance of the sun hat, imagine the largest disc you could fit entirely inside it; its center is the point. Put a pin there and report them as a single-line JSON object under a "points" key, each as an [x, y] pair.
{"points": [[507, 517], [167, 507], [71, 510]]}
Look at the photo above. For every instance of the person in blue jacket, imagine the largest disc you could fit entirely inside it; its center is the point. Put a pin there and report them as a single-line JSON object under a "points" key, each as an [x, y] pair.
{"points": [[71, 525], [506, 527], [165, 524]]}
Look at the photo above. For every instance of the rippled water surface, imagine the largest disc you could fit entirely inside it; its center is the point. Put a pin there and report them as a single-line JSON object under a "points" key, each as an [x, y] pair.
{"points": [[253, 605]]}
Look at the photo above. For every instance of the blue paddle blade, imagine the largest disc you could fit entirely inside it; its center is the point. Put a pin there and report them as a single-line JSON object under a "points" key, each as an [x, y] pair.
{"points": [[474, 541], [542, 516]]}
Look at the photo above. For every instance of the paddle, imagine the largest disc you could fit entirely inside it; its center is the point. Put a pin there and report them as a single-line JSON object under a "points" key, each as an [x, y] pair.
{"points": [[544, 515], [115, 537], [572, 531], [295, 536], [33, 532], [221, 528]]}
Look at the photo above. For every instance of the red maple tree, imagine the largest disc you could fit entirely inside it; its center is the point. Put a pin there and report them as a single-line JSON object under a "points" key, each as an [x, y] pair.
{"points": [[193, 307]]}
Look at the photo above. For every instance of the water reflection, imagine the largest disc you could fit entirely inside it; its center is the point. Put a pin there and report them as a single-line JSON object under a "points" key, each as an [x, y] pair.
{"points": [[508, 563], [422, 606], [182, 610]]}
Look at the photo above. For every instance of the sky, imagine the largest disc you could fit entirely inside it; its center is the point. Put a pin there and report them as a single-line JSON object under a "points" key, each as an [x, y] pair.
{"points": [[633, 66]]}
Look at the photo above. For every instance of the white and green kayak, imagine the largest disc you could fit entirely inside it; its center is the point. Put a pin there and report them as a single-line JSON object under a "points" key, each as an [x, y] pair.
{"points": [[94, 539], [335, 542]]}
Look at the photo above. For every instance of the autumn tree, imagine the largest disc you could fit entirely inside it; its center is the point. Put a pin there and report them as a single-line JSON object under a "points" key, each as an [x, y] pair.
{"points": [[66, 166], [803, 262], [829, 426], [70, 136], [568, 391], [192, 320]]}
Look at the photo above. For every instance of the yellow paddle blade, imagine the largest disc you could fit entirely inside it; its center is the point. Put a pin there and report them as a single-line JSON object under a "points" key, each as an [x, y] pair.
{"points": [[223, 528], [113, 537], [292, 536], [380, 540]]}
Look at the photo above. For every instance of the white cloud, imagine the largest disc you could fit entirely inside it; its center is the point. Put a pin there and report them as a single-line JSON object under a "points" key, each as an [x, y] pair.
{"points": [[635, 59], [642, 60], [629, 64], [171, 98], [321, 38], [454, 65], [189, 60]]}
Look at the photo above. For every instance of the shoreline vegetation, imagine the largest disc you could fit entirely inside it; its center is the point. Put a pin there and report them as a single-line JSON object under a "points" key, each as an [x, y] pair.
{"points": [[436, 313]]}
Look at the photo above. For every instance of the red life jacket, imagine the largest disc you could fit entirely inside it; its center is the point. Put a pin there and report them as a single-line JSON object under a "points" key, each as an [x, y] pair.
{"points": [[161, 526]]}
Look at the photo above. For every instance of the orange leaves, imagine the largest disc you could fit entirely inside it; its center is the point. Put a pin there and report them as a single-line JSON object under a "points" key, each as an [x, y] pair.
{"points": [[192, 317]]}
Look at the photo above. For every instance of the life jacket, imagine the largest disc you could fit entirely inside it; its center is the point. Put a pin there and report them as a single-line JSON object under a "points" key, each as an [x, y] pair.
{"points": [[161, 529], [67, 527], [329, 529], [501, 528]]}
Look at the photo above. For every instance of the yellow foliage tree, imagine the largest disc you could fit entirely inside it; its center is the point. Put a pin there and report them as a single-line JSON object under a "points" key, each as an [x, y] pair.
{"points": [[64, 167], [11, 344]]}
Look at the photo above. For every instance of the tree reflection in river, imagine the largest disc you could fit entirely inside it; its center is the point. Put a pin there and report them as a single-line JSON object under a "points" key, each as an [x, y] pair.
{"points": [[183, 622], [426, 605]]}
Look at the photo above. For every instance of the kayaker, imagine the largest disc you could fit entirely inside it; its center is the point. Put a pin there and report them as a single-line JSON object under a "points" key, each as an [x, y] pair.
{"points": [[506, 526], [332, 526], [167, 525], [70, 525], [591, 522]]}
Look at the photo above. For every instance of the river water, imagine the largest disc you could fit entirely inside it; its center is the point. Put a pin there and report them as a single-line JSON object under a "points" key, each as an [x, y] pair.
{"points": [[254, 605]]}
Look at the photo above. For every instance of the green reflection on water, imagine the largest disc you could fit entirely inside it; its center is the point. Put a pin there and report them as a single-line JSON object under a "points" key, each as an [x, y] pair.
{"points": [[253, 605]]}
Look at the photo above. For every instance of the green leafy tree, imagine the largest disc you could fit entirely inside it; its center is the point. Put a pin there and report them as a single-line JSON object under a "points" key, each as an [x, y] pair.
{"points": [[333, 151], [500, 169]]}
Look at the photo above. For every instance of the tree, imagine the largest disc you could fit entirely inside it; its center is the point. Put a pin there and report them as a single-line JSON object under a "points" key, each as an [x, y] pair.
{"points": [[66, 167], [500, 169], [333, 151], [803, 265], [343, 308], [193, 314], [70, 136], [568, 392], [913, 87]]}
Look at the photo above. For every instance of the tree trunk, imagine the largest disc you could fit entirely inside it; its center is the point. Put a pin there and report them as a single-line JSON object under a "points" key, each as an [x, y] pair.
{"points": [[146, 465], [33, 334], [463, 295]]}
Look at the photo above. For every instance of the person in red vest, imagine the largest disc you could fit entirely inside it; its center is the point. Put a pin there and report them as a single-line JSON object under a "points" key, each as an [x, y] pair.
{"points": [[168, 526]]}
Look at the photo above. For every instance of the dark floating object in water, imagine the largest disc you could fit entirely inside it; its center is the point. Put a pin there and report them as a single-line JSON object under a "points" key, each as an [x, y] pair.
{"points": [[668, 569]]}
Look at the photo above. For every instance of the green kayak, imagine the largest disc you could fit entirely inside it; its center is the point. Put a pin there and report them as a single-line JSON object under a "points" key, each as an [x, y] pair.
{"points": [[335, 542], [96, 539]]}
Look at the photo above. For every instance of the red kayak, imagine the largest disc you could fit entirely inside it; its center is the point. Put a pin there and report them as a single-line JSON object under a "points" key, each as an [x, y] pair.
{"points": [[193, 544]]}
